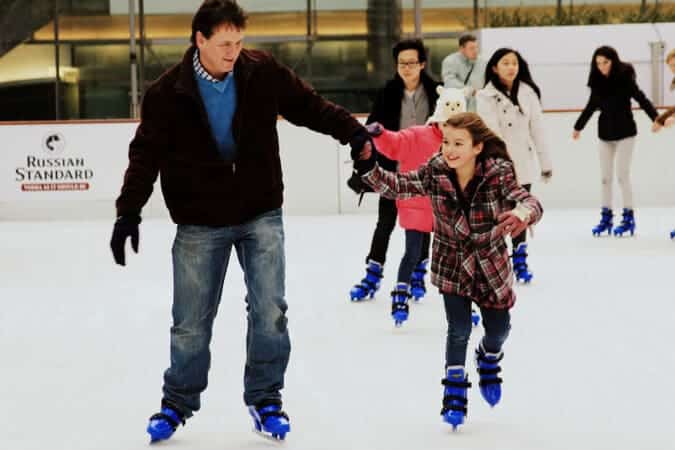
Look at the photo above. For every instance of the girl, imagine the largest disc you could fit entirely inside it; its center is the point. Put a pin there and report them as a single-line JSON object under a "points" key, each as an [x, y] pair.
{"points": [[612, 84], [509, 104], [476, 201]]}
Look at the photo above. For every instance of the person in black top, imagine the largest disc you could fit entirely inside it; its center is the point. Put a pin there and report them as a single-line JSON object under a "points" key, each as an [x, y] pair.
{"points": [[406, 100], [613, 84]]}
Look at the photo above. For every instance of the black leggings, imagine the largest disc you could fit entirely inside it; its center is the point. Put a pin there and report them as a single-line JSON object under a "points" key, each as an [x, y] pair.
{"points": [[386, 221]]}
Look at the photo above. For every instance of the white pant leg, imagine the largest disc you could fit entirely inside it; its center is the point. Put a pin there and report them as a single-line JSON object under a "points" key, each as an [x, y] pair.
{"points": [[607, 152], [624, 156]]}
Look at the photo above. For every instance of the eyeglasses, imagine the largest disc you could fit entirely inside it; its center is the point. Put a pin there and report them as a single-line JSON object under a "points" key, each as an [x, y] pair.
{"points": [[411, 64]]}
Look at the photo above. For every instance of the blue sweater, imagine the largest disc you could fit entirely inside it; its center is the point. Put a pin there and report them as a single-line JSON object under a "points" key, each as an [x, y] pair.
{"points": [[220, 101]]}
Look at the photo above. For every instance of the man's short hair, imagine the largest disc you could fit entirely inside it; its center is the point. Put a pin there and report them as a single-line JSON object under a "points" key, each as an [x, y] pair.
{"points": [[410, 44], [463, 39], [214, 13]]}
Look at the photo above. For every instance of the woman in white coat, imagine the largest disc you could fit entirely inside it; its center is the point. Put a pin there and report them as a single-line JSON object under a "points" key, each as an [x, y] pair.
{"points": [[510, 105]]}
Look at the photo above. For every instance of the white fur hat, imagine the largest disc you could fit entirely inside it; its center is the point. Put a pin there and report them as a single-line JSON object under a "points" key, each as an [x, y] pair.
{"points": [[450, 101]]}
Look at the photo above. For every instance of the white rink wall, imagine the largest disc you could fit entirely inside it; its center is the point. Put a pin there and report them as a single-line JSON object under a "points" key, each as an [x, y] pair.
{"points": [[315, 168], [562, 73]]}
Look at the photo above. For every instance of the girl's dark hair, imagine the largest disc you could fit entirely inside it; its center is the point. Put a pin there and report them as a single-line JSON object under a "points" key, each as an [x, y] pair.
{"points": [[493, 146], [523, 75], [213, 13], [619, 68], [410, 44]]}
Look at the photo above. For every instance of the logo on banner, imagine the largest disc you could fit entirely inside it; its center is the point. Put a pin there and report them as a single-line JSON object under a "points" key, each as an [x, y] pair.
{"points": [[57, 171], [54, 143]]}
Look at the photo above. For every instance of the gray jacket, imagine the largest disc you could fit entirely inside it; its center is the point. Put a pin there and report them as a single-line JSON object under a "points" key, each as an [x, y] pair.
{"points": [[456, 68]]}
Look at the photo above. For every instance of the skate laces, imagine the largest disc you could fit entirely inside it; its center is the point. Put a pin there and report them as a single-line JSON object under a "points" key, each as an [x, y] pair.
{"points": [[372, 278], [488, 366], [454, 396], [417, 279], [172, 417], [606, 216], [627, 218], [399, 297], [265, 412]]}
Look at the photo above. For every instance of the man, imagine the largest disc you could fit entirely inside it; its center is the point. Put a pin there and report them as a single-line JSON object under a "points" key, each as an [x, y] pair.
{"points": [[208, 125], [464, 70]]}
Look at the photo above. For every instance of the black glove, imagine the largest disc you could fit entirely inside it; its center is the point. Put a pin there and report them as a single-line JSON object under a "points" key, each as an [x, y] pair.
{"points": [[125, 226], [357, 143]]}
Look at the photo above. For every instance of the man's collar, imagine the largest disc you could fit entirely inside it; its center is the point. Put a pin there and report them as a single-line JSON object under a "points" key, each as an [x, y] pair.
{"points": [[200, 70]]}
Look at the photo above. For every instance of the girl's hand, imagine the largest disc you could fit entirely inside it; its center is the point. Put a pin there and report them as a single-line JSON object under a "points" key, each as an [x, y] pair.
{"points": [[656, 127], [670, 122], [510, 224], [576, 134], [374, 129]]}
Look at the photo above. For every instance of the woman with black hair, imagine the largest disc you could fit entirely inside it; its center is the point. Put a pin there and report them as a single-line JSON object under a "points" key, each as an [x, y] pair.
{"points": [[613, 84], [406, 100], [510, 105]]}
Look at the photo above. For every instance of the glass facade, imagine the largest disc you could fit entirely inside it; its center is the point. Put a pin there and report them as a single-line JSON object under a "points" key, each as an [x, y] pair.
{"points": [[343, 49]]}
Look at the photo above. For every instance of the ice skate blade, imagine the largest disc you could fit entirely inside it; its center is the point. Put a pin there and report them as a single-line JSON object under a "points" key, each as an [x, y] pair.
{"points": [[271, 437], [455, 426]]}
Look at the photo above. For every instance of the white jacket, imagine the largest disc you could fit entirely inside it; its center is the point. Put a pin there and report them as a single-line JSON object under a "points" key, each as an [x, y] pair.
{"points": [[521, 128]]}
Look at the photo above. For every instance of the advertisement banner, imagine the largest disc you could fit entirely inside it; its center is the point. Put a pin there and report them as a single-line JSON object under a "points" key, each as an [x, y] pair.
{"points": [[63, 162]]}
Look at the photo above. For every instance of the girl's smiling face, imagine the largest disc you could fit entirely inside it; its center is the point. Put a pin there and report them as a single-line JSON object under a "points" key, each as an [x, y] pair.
{"points": [[458, 149]]}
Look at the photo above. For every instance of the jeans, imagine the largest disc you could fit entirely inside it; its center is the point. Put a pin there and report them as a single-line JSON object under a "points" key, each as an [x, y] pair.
{"points": [[522, 237], [497, 323], [416, 250], [200, 258]]}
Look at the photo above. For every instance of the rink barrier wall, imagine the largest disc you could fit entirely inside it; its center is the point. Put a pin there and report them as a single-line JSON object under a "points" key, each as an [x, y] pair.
{"points": [[561, 71], [74, 170]]}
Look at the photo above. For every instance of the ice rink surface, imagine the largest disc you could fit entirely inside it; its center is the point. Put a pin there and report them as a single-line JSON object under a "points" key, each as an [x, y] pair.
{"points": [[589, 365]]}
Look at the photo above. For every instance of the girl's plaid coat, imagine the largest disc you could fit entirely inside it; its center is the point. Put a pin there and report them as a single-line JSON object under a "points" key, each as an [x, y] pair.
{"points": [[469, 258]]}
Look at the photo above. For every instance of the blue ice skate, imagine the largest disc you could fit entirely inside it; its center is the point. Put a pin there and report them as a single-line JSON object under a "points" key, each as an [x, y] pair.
{"points": [[417, 288], [399, 303], [475, 317], [163, 424], [488, 368], [672, 234], [606, 223], [627, 224], [520, 269], [455, 396], [370, 284], [270, 421]]}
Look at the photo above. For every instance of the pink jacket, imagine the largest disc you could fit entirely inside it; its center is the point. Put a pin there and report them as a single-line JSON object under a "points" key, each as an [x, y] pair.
{"points": [[411, 147]]}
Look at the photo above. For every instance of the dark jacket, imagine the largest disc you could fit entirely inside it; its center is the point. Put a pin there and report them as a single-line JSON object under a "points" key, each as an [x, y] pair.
{"points": [[387, 108], [174, 140], [612, 97]]}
